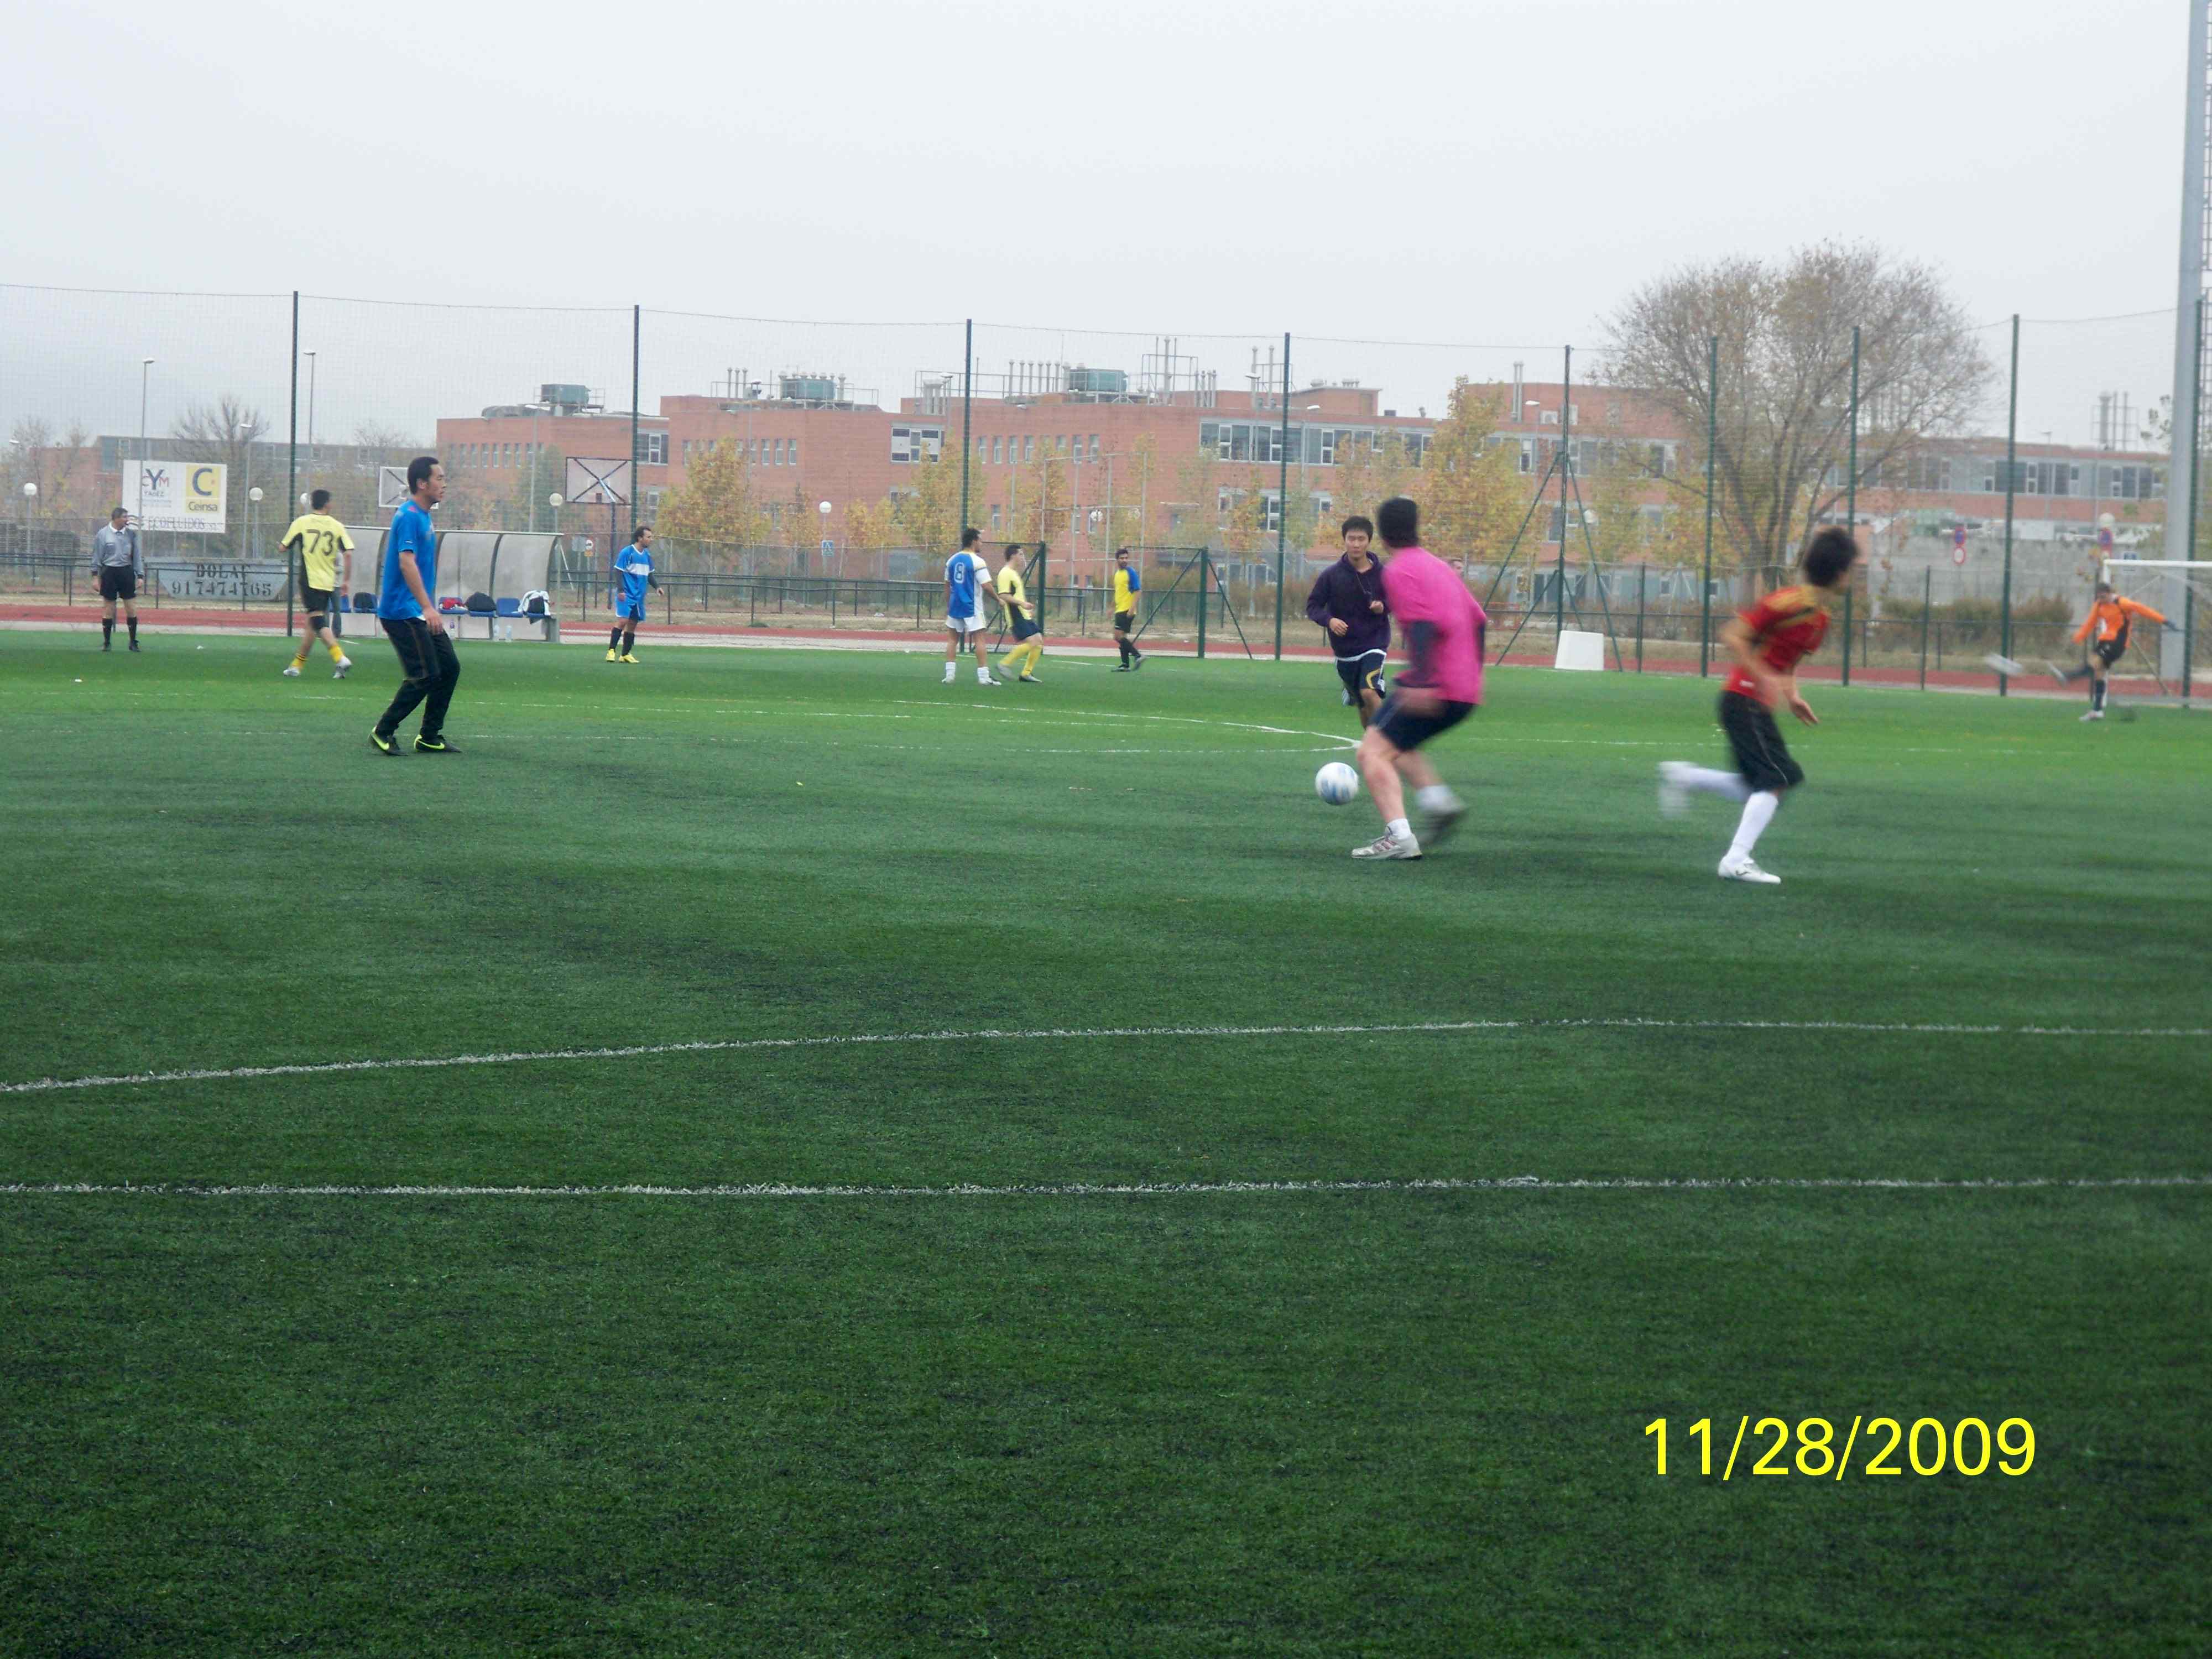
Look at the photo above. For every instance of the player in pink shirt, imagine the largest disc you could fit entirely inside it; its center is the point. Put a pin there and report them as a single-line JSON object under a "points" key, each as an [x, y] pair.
{"points": [[1443, 628]]}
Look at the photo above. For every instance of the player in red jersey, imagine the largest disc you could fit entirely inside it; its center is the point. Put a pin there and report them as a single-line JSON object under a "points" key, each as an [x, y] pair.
{"points": [[1768, 641]]}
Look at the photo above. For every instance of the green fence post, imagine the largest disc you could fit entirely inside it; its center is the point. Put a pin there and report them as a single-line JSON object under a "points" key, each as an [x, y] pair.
{"points": [[1205, 581], [1847, 631], [2012, 481], [1640, 586], [1927, 605]]}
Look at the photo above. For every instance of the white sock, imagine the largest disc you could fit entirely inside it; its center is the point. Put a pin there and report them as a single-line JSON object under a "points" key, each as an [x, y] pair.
{"points": [[983, 677], [1436, 797], [1398, 828], [1758, 813], [1707, 781]]}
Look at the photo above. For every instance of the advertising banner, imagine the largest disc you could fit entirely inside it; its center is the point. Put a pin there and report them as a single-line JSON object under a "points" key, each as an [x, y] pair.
{"points": [[186, 496]]}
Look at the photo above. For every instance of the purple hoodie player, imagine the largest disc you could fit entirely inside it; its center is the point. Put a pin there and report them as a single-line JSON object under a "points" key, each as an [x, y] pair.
{"points": [[1440, 684]]}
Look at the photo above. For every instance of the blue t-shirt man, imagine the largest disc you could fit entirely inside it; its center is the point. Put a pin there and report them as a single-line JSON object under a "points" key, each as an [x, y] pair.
{"points": [[633, 565], [410, 532]]}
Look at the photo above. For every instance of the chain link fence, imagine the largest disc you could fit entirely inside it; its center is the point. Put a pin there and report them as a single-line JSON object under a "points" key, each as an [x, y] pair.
{"points": [[807, 474]]}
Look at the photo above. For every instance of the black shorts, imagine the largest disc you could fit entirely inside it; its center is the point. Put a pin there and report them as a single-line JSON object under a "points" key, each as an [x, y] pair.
{"points": [[1363, 673], [1024, 628], [317, 600], [1760, 755], [1408, 730], [1125, 622], [118, 582], [2109, 651]]}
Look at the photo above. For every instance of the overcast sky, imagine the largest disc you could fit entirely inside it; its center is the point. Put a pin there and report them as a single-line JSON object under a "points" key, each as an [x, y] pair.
{"points": [[1478, 172]]}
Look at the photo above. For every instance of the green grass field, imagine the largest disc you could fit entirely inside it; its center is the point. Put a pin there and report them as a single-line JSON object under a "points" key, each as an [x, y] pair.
{"points": [[1337, 1412]]}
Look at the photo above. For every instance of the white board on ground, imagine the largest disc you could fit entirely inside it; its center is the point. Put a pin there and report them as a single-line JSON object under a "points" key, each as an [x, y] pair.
{"points": [[1580, 651]]}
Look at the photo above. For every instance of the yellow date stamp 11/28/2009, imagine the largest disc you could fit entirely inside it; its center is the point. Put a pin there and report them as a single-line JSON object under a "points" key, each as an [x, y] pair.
{"points": [[1883, 1445]]}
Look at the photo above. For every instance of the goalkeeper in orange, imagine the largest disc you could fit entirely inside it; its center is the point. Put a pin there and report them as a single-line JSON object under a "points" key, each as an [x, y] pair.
{"points": [[2106, 628]]}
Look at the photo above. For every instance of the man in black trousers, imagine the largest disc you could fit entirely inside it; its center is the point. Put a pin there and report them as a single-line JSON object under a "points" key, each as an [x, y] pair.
{"points": [[407, 609]]}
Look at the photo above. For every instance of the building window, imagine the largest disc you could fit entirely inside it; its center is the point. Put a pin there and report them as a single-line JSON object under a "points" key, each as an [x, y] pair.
{"points": [[1062, 445], [1328, 445], [1224, 503], [998, 453], [791, 453], [1028, 448], [995, 517], [911, 444], [1094, 445], [653, 448], [1528, 454], [1271, 511]]}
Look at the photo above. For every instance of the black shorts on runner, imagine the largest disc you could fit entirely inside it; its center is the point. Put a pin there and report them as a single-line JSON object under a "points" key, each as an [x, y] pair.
{"points": [[1408, 730], [1125, 622], [1026, 629], [118, 582], [316, 600], [1760, 755], [2111, 651], [1363, 673]]}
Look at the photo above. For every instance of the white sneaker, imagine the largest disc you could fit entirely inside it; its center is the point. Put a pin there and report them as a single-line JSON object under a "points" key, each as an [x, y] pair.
{"points": [[291, 670], [949, 679], [2057, 672], [1387, 846], [986, 680], [338, 669], [1438, 821], [1673, 794], [1744, 870], [2095, 714]]}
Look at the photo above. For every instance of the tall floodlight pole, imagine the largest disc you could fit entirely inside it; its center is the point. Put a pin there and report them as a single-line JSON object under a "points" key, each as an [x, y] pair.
{"points": [[138, 495], [311, 402], [636, 466], [967, 419], [2188, 365], [293, 562]]}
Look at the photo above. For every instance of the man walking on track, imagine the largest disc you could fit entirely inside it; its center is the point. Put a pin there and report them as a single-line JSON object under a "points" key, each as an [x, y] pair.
{"points": [[407, 608], [118, 567]]}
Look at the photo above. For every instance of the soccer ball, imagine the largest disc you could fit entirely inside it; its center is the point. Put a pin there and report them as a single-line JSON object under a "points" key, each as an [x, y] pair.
{"points": [[1336, 783]]}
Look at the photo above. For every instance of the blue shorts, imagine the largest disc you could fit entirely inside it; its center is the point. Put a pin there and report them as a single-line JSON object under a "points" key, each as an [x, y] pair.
{"points": [[1026, 629], [630, 610]]}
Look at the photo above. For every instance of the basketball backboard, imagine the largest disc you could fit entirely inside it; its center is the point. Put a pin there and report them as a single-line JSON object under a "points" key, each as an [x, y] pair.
{"points": [[598, 482]]}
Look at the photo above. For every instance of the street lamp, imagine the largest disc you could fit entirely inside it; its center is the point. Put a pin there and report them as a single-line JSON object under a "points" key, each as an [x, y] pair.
{"points": [[828, 546], [246, 427], [30, 495], [138, 495]]}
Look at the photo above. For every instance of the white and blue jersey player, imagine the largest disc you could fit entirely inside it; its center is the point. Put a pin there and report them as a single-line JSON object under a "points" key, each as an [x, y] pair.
{"points": [[967, 590], [633, 576]]}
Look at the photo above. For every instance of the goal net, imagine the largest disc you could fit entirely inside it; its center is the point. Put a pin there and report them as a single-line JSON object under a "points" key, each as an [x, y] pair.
{"points": [[2175, 652]]}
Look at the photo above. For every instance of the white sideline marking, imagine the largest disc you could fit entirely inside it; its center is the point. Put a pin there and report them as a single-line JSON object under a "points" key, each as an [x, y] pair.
{"points": [[733, 1045], [1127, 1189]]}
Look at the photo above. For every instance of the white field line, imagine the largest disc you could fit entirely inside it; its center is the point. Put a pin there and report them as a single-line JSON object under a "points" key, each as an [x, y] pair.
{"points": [[1127, 1189], [884, 1039]]}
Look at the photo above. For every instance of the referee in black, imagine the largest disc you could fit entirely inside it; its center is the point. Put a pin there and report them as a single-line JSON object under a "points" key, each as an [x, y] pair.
{"points": [[118, 566]]}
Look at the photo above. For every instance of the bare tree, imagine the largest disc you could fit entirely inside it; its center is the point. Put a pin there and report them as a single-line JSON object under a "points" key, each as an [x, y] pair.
{"points": [[221, 431], [1782, 429]]}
